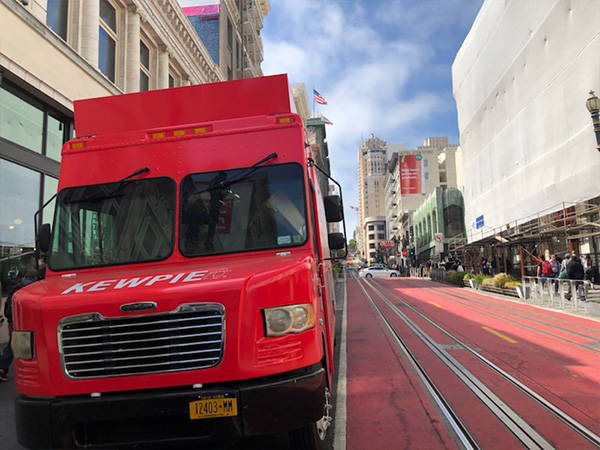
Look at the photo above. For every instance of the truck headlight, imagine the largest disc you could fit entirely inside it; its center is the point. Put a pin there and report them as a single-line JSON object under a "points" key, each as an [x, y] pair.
{"points": [[289, 319], [22, 344]]}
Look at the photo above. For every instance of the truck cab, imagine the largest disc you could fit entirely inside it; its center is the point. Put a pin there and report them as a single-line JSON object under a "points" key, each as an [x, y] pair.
{"points": [[189, 292]]}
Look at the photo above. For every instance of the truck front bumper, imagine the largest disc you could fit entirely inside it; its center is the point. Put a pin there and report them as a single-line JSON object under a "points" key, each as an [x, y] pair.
{"points": [[119, 420]]}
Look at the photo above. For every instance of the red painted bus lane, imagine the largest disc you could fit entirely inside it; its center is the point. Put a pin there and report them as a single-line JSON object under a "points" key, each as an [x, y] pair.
{"points": [[387, 407], [565, 374]]}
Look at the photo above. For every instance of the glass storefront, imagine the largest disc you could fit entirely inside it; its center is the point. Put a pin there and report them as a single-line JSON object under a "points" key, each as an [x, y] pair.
{"points": [[19, 196], [27, 181]]}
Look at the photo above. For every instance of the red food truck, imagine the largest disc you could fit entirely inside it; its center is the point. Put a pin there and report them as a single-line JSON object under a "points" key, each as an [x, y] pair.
{"points": [[189, 293]]}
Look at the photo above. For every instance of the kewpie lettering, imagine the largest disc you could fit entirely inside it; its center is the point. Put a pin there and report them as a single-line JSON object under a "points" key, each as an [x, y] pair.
{"points": [[79, 287], [158, 278], [133, 282], [183, 277], [176, 278], [101, 285], [195, 276]]}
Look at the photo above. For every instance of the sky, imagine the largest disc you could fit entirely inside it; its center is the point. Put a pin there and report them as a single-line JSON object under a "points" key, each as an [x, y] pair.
{"points": [[384, 67]]}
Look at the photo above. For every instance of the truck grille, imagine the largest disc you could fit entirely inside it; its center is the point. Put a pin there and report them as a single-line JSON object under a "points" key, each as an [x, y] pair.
{"points": [[191, 337]]}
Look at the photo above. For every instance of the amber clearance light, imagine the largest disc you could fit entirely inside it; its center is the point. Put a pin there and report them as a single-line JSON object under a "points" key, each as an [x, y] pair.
{"points": [[77, 145], [288, 119]]}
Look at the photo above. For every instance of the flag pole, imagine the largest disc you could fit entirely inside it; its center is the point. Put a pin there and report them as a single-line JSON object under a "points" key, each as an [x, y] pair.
{"points": [[313, 99]]}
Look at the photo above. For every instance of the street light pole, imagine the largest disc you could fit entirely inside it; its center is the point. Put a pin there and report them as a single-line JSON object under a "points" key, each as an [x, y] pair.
{"points": [[593, 106]]}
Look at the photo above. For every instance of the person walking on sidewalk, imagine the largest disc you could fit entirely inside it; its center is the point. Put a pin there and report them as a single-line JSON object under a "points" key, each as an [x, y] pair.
{"points": [[575, 272], [6, 357], [555, 271]]}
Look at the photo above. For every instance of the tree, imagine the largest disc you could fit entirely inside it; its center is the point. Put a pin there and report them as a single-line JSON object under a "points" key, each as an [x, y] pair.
{"points": [[352, 246]]}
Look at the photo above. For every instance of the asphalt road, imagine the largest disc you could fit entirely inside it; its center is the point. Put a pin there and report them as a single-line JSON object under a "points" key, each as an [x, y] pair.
{"points": [[8, 438]]}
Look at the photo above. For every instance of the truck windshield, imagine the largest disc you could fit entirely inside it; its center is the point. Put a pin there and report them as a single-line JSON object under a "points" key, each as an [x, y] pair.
{"points": [[113, 223], [241, 210]]}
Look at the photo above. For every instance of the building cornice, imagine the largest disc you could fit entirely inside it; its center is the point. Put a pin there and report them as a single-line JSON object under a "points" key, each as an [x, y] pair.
{"points": [[167, 17]]}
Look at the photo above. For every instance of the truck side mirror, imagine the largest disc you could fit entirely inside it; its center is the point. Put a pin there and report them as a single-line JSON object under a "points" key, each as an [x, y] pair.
{"points": [[333, 208], [43, 238], [337, 241]]}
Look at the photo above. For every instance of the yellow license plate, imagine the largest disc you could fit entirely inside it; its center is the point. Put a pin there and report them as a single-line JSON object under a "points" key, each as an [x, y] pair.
{"points": [[209, 408]]}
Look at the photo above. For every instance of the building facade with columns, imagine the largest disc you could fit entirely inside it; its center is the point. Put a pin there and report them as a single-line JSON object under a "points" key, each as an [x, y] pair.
{"points": [[55, 52]]}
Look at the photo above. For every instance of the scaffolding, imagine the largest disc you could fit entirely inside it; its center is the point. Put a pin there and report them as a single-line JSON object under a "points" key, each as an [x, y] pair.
{"points": [[530, 236]]}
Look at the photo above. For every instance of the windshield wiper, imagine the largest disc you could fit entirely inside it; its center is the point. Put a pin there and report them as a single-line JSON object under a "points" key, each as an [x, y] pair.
{"points": [[218, 181], [96, 196]]}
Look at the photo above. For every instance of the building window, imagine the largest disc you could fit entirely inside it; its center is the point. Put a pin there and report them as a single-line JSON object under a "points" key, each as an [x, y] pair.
{"points": [[381, 236], [380, 227], [144, 67], [171, 81], [371, 236], [20, 121], [371, 245], [57, 14], [107, 40], [371, 227], [56, 135], [20, 189]]}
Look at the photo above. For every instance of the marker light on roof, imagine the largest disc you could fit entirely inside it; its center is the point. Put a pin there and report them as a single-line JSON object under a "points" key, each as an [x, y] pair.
{"points": [[288, 119], [202, 130]]}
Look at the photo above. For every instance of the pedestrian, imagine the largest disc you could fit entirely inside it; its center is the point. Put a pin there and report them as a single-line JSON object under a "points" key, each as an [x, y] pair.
{"points": [[460, 267], [555, 271], [6, 357], [587, 268], [563, 266], [575, 272]]}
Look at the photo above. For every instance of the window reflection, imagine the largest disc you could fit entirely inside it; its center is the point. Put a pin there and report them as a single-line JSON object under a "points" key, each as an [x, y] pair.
{"points": [[20, 122], [19, 197], [57, 15]]}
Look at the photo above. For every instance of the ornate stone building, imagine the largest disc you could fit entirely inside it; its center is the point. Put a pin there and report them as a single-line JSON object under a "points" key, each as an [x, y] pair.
{"points": [[53, 52]]}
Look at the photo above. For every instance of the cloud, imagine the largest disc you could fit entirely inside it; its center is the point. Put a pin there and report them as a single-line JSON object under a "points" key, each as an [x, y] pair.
{"points": [[366, 61]]}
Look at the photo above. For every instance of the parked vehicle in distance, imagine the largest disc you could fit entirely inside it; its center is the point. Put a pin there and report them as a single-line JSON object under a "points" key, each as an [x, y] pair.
{"points": [[377, 271]]}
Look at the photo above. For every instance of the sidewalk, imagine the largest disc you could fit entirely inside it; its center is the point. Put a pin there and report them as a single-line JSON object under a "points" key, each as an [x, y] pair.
{"points": [[592, 313]]}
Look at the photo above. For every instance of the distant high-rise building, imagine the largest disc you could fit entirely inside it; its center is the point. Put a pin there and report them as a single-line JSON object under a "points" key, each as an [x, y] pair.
{"points": [[372, 160], [301, 101], [230, 30], [413, 174]]}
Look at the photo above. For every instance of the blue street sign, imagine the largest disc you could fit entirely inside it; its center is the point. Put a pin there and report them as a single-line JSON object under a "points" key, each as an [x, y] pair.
{"points": [[479, 222]]}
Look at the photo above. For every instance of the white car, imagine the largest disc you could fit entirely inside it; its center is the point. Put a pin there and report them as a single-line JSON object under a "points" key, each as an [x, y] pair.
{"points": [[377, 271]]}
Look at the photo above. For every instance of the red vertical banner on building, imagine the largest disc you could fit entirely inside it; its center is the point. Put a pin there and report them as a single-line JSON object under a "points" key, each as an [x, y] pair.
{"points": [[410, 175]]}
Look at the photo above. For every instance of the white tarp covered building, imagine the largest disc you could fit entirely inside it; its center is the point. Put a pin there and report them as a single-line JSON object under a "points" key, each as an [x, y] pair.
{"points": [[520, 80]]}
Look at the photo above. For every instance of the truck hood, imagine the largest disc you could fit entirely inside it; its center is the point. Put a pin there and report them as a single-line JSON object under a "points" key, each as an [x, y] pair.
{"points": [[167, 279]]}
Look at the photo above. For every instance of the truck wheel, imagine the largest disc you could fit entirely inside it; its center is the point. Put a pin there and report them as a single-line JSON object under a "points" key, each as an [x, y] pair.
{"points": [[307, 438], [312, 436]]}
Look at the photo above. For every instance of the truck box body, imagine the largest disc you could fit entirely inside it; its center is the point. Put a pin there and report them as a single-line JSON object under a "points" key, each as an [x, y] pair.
{"points": [[158, 287]]}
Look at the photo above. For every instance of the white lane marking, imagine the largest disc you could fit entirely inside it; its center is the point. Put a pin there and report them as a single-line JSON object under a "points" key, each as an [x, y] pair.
{"points": [[339, 440]]}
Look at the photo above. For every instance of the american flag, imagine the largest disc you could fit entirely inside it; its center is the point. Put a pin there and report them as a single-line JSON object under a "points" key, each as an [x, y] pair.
{"points": [[319, 98], [326, 121]]}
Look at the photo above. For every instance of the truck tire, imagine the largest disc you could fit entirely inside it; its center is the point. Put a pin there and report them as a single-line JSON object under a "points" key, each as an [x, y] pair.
{"points": [[306, 438], [312, 436]]}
